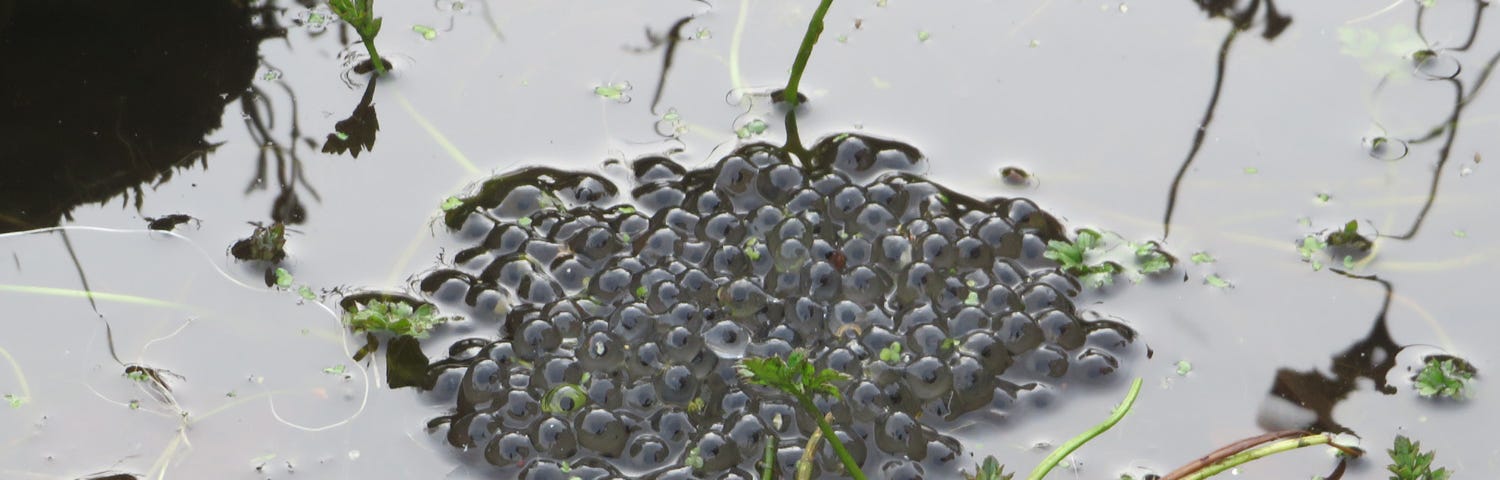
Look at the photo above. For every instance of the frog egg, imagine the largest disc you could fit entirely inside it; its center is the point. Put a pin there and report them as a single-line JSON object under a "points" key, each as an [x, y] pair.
{"points": [[866, 286], [1046, 360], [718, 452], [519, 409], [674, 426], [1061, 329], [605, 392], [509, 449], [676, 385], [873, 219], [824, 282], [481, 382], [1094, 364], [723, 228], [1018, 332], [601, 431], [471, 430], [632, 323], [727, 339], [538, 336], [929, 378], [554, 437], [968, 319], [777, 183], [601, 351], [901, 470], [647, 450]]}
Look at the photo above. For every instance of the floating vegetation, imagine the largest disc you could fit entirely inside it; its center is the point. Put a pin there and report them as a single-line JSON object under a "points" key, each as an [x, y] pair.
{"points": [[1444, 376], [620, 324], [393, 317], [265, 244]]}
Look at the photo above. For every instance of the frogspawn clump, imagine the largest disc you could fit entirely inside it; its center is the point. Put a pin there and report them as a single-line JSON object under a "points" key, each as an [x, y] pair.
{"points": [[621, 321]]}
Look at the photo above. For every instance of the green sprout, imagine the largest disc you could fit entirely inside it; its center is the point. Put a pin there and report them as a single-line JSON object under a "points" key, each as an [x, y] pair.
{"points": [[990, 469], [814, 29], [394, 317], [1349, 238], [1443, 377], [360, 14], [796, 376], [1409, 463]]}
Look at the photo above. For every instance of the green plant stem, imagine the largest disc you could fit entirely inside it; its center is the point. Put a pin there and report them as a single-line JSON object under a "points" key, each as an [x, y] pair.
{"points": [[814, 29], [1250, 455], [1072, 444], [374, 57], [768, 467], [805, 464], [833, 439]]}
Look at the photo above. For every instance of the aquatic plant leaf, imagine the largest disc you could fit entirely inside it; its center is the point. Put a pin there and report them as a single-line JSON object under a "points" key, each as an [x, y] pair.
{"points": [[1440, 378], [1215, 280], [428, 33], [1184, 367], [1408, 462], [394, 317], [306, 293], [13, 400], [335, 370], [1202, 258], [1381, 52], [1152, 260], [283, 278]]}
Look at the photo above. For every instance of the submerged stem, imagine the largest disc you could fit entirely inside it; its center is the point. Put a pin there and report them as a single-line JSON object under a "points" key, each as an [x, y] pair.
{"points": [[374, 57], [1249, 455], [833, 440], [814, 29], [1082, 438]]}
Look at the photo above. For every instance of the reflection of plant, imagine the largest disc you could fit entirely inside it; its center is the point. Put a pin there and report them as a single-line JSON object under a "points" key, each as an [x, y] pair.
{"points": [[1409, 463], [393, 317], [796, 376], [1443, 377], [360, 14]]}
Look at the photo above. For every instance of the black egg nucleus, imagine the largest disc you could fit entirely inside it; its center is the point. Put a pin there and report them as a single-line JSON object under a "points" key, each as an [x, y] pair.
{"points": [[621, 320]]}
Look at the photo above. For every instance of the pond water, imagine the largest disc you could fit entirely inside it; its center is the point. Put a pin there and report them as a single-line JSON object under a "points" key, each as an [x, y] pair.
{"points": [[1245, 127]]}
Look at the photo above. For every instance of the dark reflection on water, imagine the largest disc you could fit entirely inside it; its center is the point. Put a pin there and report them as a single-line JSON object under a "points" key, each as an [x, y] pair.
{"points": [[1313, 395], [1462, 97], [101, 98], [357, 132], [1240, 19]]}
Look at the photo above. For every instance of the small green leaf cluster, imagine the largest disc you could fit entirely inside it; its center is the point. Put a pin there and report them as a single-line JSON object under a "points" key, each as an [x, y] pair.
{"points": [[1409, 463], [1088, 257], [989, 469], [1074, 258], [394, 317], [1443, 377], [796, 375]]}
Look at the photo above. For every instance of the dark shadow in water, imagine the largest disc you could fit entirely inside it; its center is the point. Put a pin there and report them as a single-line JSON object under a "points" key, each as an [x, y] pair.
{"points": [[673, 36], [99, 98], [1316, 394], [356, 133], [1448, 130], [1241, 19], [287, 208]]}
